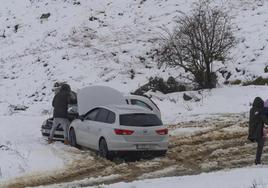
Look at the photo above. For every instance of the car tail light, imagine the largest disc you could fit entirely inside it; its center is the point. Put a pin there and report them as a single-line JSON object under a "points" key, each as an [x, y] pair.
{"points": [[123, 132], [162, 131]]}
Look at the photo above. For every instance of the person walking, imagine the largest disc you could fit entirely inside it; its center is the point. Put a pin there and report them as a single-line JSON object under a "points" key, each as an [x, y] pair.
{"points": [[257, 119], [60, 103], [266, 108]]}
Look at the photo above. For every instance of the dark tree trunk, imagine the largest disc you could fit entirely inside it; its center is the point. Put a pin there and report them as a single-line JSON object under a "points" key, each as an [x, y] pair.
{"points": [[208, 76]]}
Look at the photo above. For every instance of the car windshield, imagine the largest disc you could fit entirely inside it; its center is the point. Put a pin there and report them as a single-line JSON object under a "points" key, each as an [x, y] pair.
{"points": [[140, 120]]}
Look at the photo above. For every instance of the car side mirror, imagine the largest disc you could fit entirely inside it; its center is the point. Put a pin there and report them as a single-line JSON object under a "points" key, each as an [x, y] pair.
{"points": [[82, 118]]}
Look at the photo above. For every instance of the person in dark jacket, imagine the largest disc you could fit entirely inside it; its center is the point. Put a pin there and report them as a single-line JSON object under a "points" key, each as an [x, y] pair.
{"points": [[256, 126], [266, 108], [60, 103]]}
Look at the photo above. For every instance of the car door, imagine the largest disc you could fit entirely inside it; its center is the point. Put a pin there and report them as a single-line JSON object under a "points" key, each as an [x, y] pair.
{"points": [[140, 103], [98, 127], [146, 103], [79, 131], [87, 123]]}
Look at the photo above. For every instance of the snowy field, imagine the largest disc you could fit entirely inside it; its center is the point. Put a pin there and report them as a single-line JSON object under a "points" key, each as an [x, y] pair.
{"points": [[22, 148], [212, 102], [250, 177], [91, 42], [24, 151], [238, 178]]}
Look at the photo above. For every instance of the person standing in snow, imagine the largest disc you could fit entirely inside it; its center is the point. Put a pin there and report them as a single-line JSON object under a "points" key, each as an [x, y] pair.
{"points": [[257, 119], [266, 108], [60, 104]]}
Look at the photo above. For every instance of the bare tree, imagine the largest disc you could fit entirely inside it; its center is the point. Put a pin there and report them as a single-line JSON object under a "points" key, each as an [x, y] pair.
{"points": [[201, 38]]}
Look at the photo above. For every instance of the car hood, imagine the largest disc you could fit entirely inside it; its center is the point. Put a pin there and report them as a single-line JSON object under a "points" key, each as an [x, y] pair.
{"points": [[93, 96]]}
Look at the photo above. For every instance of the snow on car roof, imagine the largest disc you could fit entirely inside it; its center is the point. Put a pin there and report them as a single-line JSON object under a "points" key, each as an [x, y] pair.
{"points": [[94, 96]]}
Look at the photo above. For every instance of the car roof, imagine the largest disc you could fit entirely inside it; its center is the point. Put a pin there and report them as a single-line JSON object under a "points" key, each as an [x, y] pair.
{"points": [[127, 109]]}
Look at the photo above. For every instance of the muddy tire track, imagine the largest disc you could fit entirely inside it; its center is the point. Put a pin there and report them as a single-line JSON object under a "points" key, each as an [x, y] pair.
{"points": [[223, 145]]}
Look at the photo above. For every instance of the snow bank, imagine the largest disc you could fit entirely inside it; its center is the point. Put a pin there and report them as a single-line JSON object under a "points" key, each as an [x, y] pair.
{"points": [[23, 150], [211, 103], [238, 178]]}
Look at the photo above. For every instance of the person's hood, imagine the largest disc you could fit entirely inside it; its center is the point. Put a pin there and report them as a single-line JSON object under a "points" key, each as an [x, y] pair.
{"points": [[258, 102], [65, 87]]}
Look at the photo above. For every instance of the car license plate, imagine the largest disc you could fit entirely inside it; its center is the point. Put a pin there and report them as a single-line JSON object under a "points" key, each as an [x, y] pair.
{"points": [[144, 146], [45, 131]]}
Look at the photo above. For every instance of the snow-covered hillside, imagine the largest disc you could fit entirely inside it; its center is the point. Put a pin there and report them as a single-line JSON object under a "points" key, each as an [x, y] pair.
{"points": [[104, 42], [85, 42], [107, 42]]}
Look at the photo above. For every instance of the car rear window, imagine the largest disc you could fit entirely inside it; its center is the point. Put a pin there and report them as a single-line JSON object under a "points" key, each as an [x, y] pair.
{"points": [[140, 120]]}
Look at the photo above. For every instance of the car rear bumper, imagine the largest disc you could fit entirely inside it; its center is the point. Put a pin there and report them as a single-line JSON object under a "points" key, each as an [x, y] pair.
{"points": [[58, 135], [138, 146], [134, 155]]}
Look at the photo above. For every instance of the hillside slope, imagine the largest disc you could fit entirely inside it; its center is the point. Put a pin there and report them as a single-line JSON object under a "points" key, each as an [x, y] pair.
{"points": [[91, 42]]}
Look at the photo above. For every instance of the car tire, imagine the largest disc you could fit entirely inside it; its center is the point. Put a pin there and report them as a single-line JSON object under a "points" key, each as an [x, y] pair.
{"points": [[72, 138], [103, 150], [162, 153]]}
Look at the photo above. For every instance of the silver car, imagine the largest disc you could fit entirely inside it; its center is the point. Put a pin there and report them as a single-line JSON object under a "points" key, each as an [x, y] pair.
{"points": [[138, 100], [113, 129], [109, 126]]}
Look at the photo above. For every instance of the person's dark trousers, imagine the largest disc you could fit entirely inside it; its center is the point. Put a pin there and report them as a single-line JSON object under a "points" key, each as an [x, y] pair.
{"points": [[259, 151]]}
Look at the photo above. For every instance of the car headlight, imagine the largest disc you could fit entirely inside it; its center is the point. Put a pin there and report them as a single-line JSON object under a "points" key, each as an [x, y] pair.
{"points": [[44, 123]]}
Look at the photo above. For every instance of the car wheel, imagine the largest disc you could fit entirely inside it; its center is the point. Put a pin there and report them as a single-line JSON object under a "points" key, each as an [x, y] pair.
{"points": [[103, 149], [161, 153], [72, 138]]}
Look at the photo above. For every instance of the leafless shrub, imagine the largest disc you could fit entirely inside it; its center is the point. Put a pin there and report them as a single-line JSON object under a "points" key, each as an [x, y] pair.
{"points": [[200, 38]]}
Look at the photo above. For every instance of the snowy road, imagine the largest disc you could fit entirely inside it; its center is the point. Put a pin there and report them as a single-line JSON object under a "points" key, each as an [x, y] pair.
{"points": [[213, 145]]}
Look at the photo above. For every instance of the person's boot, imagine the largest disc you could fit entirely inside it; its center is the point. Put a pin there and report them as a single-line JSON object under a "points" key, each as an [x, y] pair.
{"points": [[66, 142], [50, 141], [257, 162]]}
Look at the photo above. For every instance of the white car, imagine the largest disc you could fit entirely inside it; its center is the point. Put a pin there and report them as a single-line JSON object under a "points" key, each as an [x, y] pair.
{"points": [[109, 126], [138, 100]]}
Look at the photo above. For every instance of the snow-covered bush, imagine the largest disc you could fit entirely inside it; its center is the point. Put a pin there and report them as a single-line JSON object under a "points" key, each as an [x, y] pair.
{"points": [[158, 84], [258, 81]]}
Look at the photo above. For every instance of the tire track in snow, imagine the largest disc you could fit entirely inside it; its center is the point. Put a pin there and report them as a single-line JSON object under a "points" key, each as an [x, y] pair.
{"points": [[222, 146]]}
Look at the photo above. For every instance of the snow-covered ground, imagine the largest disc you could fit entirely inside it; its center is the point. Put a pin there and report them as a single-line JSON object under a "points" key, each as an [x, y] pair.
{"points": [[249, 177], [256, 177], [24, 152], [22, 148], [211, 102], [103, 42]]}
